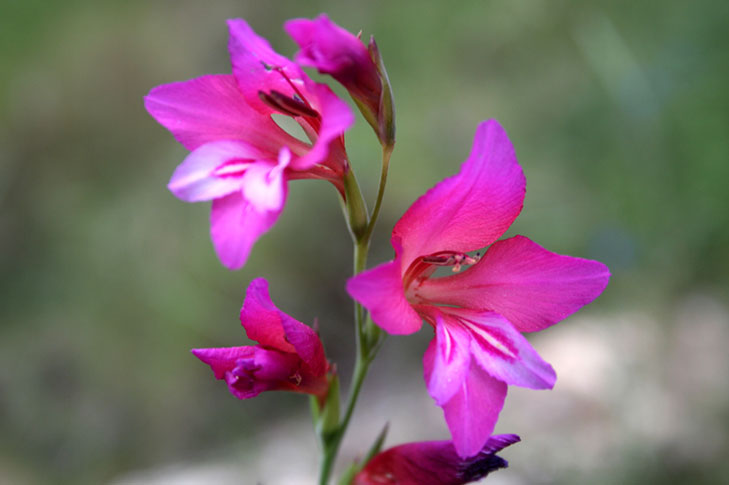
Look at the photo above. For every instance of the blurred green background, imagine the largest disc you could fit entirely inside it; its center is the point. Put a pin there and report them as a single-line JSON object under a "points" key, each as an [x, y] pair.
{"points": [[619, 112]]}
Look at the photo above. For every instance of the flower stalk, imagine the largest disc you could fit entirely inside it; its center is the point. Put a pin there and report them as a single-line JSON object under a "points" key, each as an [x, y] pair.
{"points": [[368, 336]]}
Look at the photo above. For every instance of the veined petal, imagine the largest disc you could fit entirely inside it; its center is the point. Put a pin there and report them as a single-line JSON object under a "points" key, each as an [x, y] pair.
{"points": [[211, 108], [222, 359], [472, 412], [380, 291], [531, 287], [264, 184], [501, 350], [262, 320], [471, 209], [213, 170], [447, 360], [257, 67], [235, 225]]}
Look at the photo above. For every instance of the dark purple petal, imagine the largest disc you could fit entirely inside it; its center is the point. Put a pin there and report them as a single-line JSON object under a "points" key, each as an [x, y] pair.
{"points": [[433, 463]]}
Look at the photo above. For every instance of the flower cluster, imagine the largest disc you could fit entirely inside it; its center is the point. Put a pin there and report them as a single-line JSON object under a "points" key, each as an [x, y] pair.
{"points": [[241, 160]]}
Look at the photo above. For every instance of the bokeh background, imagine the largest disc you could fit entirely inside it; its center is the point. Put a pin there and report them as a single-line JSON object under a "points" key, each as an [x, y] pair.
{"points": [[619, 112]]}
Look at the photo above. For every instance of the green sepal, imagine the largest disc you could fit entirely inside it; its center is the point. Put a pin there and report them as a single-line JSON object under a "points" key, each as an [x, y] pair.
{"points": [[326, 417], [354, 206], [357, 466], [386, 111]]}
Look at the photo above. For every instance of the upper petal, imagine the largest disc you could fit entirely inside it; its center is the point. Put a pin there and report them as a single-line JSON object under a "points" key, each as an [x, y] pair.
{"points": [[211, 108], [307, 344], [235, 225], [472, 412], [501, 350], [531, 287], [471, 209], [257, 67], [262, 320], [381, 292], [213, 170]]}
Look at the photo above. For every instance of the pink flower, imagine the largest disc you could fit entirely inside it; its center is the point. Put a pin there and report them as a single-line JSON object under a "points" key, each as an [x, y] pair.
{"points": [[333, 50], [240, 158], [289, 355], [433, 463], [478, 314]]}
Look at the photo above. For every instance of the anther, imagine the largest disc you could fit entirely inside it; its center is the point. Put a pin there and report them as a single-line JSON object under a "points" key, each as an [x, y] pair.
{"points": [[286, 105], [457, 260]]}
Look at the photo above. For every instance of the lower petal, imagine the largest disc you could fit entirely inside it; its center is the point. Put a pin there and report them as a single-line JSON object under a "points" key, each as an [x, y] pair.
{"points": [[472, 412], [235, 225], [502, 351], [446, 362], [195, 178]]}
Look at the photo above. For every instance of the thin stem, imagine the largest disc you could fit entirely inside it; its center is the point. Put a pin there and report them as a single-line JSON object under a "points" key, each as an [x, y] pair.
{"points": [[386, 153], [367, 336], [361, 366]]}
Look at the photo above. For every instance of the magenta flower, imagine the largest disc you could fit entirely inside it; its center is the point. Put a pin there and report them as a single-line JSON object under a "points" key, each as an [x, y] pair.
{"points": [[240, 158], [335, 51], [433, 463], [517, 286], [289, 355]]}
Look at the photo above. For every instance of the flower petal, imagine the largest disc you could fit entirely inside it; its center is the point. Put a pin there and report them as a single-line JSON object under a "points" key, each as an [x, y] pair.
{"points": [[336, 118], [433, 463], [471, 209], [197, 179], [222, 359], [447, 360], [380, 291], [264, 184], [262, 320], [472, 412], [257, 67], [273, 328], [307, 344], [501, 350], [335, 51], [235, 225], [531, 287], [211, 108]]}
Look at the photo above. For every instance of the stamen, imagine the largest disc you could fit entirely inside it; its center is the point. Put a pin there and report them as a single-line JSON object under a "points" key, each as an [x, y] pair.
{"points": [[423, 267], [286, 105], [447, 258], [293, 86], [296, 378]]}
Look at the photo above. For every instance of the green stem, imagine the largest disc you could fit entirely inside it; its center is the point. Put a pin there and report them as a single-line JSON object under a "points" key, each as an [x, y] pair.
{"points": [[386, 153], [366, 333], [361, 366]]}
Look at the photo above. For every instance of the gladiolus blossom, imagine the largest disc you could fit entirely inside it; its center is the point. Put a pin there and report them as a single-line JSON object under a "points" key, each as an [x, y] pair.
{"points": [[477, 314], [240, 158], [289, 355]]}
